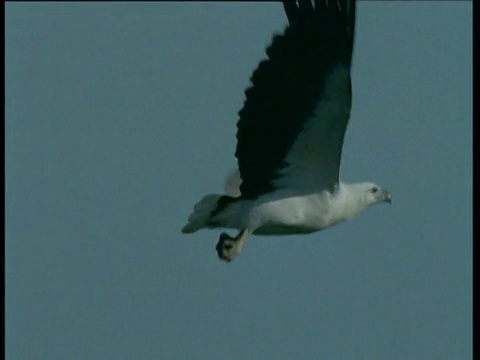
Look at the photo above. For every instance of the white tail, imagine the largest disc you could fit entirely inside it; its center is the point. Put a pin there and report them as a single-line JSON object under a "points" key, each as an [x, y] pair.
{"points": [[201, 213]]}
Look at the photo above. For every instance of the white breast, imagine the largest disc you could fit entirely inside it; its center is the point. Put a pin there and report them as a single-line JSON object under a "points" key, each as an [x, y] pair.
{"points": [[294, 214]]}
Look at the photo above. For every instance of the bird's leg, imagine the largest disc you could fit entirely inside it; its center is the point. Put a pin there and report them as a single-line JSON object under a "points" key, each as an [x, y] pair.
{"points": [[229, 247]]}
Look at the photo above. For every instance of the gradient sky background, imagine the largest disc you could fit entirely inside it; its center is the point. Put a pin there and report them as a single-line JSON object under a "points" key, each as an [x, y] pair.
{"points": [[120, 116]]}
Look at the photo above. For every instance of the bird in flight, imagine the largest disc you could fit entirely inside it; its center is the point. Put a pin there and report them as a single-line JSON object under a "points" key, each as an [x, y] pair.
{"points": [[290, 135]]}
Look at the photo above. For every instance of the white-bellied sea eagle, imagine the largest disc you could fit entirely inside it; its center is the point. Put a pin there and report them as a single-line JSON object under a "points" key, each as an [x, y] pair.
{"points": [[290, 136]]}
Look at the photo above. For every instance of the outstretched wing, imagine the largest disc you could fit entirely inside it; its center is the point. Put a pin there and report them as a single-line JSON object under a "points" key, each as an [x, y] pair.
{"points": [[293, 121]]}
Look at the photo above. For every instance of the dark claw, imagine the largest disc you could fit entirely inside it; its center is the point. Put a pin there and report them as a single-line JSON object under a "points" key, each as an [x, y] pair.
{"points": [[225, 244]]}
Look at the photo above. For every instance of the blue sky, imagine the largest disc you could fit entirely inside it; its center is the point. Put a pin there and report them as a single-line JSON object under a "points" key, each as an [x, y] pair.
{"points": [[120, 116]]}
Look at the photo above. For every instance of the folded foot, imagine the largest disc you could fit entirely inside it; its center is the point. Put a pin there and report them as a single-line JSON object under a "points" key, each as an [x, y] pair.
{"points": [[229, 247]]}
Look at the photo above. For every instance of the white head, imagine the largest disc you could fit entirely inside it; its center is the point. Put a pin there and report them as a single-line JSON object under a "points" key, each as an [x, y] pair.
{"points": [[359, 196], [371, 193]]}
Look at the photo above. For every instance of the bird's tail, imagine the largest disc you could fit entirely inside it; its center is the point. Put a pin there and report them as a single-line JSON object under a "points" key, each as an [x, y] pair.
{"points": [[202, 211], [213, 210]]}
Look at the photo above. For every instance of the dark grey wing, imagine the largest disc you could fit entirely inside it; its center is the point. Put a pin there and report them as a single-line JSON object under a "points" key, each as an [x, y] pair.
{"points": [[294, 118]]}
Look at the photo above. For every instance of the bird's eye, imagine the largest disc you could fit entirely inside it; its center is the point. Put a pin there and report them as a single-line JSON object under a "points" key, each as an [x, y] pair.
{"points": [[374, 190]]}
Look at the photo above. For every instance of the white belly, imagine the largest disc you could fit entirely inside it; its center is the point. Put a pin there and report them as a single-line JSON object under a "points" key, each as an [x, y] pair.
{"points": [[292, 215]]}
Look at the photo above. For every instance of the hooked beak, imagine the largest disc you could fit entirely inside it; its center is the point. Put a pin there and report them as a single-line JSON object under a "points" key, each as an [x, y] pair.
{"points": [[387, 197]]}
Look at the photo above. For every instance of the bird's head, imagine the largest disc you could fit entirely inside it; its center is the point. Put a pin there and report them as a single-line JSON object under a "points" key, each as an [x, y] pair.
{"points": [[374, 194]]}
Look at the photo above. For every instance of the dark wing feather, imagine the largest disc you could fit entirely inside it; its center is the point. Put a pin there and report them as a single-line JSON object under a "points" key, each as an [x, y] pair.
{"points": [[287, 88]]}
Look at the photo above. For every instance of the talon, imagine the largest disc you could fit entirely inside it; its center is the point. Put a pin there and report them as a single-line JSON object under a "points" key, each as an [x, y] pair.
{"points": [[229, 247], [226, 247]]}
